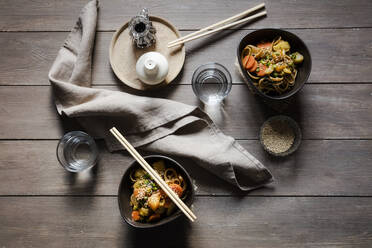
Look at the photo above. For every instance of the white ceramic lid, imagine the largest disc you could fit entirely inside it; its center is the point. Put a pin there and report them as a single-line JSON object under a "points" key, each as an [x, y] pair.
{"points": [[152, 68]]}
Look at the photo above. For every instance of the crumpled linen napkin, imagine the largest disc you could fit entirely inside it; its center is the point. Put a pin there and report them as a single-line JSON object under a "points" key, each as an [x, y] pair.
{"points": [[151, 124]]}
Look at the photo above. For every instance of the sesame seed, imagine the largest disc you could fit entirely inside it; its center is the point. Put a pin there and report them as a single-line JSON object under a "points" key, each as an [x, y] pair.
{"points": [[278, 136]]}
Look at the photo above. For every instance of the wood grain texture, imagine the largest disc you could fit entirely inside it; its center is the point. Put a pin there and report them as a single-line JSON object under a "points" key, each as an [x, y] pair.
{"points": [[323, 111], [232, 222], [27, 57], [344, 169], [322, 193], [50, 15]]}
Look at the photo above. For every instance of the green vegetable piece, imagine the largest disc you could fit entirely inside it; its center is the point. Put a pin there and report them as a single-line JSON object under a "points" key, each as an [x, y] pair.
{"points": [[298, 58], [282, 45], [144, 211]]}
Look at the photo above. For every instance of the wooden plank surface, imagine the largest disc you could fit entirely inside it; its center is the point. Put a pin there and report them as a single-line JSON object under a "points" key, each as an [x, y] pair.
{"points": [[27, 57], [322, 193], [343, 170], [20, 15], [323, 111], [232, 222]]}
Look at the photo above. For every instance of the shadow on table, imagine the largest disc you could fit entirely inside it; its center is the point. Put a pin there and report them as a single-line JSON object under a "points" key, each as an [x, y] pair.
{"points": [[82, 183], [65, 124], [284, 169], [162, 92], [174, 234]]}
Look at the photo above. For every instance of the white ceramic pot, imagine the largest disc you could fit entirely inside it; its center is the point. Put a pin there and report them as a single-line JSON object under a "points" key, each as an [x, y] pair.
{"points": [[152, 68]]}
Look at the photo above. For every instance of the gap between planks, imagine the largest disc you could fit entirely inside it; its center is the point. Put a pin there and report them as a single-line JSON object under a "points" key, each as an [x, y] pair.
{"points": [[184, 29], [237, 139], [234, 83], [199, 195]]}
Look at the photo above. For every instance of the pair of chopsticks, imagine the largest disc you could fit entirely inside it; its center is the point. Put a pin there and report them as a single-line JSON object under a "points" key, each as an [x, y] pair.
{"points": [[154, 175], [202, 32]]}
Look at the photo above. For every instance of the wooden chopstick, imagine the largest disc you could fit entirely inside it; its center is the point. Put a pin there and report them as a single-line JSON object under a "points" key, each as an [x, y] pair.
{"points": [[171, 194], [231, 19], [219, 29]]}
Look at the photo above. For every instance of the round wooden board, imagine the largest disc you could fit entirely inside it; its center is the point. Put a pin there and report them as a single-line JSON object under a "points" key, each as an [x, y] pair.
{"points": [[124, 54]]}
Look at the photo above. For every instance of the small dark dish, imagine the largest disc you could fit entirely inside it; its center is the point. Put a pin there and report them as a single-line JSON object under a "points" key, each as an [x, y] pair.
{"points": [[125, 191], [297, 132], [297, 45]]}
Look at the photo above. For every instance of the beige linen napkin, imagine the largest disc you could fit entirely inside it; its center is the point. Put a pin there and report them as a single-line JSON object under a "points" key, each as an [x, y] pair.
{"points": [[151, 124]]}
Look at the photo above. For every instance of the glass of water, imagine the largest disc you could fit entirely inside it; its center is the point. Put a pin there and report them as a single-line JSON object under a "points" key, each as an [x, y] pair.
{"points": [[211, 83], [77, 151]]}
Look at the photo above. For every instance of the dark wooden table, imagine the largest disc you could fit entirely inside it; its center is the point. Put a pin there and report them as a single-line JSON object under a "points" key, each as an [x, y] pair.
{"points": [[321, 196]]}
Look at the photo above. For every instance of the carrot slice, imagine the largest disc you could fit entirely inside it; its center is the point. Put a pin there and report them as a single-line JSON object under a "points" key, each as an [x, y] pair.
{"points": [[250, 63], [135, 192], [245, 60], [254, 67], [177, 189], [262, 70], [135, 215], [266, 45]]}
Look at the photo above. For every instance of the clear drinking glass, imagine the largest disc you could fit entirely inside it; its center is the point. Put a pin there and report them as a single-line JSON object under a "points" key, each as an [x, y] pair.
{"points": [[211, 83], [77, 151]]}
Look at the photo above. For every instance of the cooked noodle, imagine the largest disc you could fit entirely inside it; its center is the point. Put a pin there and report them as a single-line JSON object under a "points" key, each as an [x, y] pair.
{"points": [[271, 66], [148, 201]]}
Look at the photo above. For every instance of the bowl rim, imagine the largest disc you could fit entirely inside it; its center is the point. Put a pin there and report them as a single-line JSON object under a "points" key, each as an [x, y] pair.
{"points": [[245, 74], [175, 215]]}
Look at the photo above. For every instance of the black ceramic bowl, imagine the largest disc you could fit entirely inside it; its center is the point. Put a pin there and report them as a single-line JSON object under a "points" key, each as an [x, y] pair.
{"points": [[297, 132], [125, 191], [297, 45]]}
